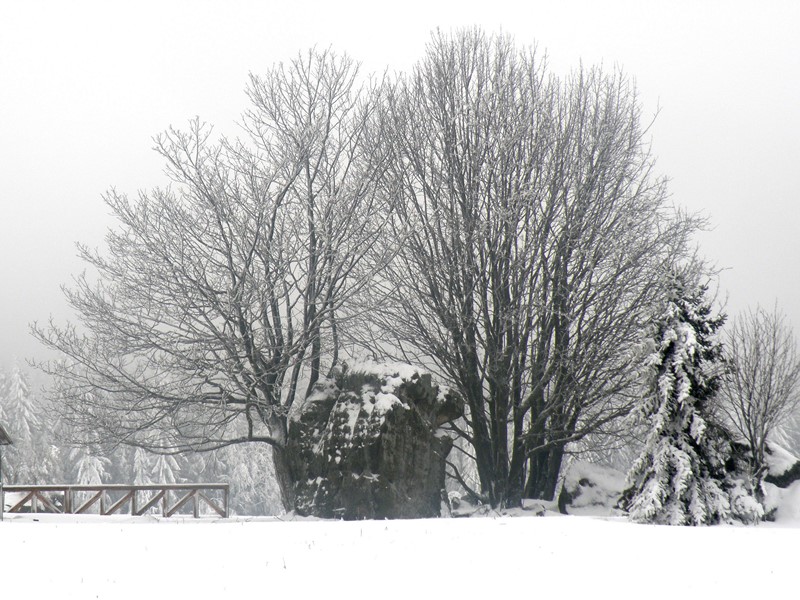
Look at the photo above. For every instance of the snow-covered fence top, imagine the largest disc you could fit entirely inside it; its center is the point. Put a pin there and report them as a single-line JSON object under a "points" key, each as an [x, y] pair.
{"points": [[112, 499]]}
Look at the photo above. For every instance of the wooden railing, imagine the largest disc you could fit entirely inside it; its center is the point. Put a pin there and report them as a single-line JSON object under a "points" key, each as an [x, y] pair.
{"points": [[112, 499]]}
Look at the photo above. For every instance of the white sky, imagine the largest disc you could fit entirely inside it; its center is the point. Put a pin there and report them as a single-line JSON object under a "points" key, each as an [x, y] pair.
{"points": [[85, 85]]}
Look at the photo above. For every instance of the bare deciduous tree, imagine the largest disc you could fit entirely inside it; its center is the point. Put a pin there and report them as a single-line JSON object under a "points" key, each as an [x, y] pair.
{"points": [[515, 236], [218, 296], [533, 237], [761, 390]]}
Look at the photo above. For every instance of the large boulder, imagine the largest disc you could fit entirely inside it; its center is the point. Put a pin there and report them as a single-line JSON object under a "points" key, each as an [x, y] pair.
{"points": [[368, 444]]}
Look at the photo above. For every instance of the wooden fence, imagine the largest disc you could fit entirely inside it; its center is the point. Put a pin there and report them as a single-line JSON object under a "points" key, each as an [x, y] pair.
{"points": [[112, 499]]}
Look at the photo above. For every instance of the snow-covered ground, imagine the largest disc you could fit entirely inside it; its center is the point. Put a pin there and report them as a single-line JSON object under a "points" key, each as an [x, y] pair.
{"points": [[63, 556]]}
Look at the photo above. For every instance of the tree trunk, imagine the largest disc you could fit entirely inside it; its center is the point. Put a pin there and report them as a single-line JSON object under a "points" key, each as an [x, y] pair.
{"points": [[516, 471], [284, 477], [544, 468]]}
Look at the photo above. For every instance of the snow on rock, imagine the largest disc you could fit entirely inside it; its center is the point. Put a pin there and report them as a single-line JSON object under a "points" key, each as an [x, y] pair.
{"points": [[789, 508], [385, 402], [368, 444], [778, 459], [783, 504], [591, 489], [782, 484], [393, 372]]}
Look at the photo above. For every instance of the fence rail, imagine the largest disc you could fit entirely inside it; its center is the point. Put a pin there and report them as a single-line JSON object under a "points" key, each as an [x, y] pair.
{"points": [[112, 499]]}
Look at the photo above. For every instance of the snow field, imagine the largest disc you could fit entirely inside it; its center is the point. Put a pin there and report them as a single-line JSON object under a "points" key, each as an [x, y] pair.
{"points": [[501, 557]]}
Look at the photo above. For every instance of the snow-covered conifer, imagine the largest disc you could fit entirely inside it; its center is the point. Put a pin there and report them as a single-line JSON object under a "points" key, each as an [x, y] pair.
{"points": [[141, 467], [166, 469], [28, 458], [19, 406], [3, 416], [680, 477], [251, 476], [91, 466]]}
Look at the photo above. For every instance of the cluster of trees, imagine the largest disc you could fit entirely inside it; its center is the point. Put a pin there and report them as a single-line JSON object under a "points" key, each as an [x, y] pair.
{"points": [[710, 406], [478, 215], [32, 456], [44, 452]]}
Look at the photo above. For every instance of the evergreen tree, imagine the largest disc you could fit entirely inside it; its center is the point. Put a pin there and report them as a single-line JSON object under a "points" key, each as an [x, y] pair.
{"points": [[166, 469], [3, 385], [682, 475], [141, 467], [29, 454], [249, 471], [91, 467], [251, 477], [19, 406]]}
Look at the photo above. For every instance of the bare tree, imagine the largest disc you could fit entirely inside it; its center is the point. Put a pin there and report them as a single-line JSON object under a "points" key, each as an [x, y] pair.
{"points": [[611, 235], [218, 296], [533, 234], [761, 390]]}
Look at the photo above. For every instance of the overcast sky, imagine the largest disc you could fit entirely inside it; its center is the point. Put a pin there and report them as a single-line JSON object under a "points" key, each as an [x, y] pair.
{"points": [[85, 85]]}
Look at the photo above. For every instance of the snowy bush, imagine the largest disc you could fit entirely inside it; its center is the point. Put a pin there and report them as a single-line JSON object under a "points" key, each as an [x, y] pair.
{"points": [[744, 506]]}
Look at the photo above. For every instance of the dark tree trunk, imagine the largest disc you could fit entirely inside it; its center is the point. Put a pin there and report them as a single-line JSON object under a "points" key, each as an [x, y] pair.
{"points": [[472, 390], [516, 471], [284, 477], [543, 471]]}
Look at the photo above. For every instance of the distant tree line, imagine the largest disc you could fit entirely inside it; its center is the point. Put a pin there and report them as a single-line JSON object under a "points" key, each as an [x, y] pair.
{"points": [[41, 454]]}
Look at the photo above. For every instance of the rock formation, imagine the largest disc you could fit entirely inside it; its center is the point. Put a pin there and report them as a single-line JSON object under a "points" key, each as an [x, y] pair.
{"points": [[368, 444]]}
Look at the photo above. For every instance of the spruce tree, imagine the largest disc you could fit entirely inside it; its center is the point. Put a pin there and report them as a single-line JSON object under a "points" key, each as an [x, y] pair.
{"points": [[3, 384], [166, 469], [91, 467], [142, 467], [20, 407], [680, 477], [27, 458]]}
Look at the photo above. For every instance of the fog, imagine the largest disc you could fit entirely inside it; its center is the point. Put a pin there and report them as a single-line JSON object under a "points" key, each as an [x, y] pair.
{"points": [[84, 86]]}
